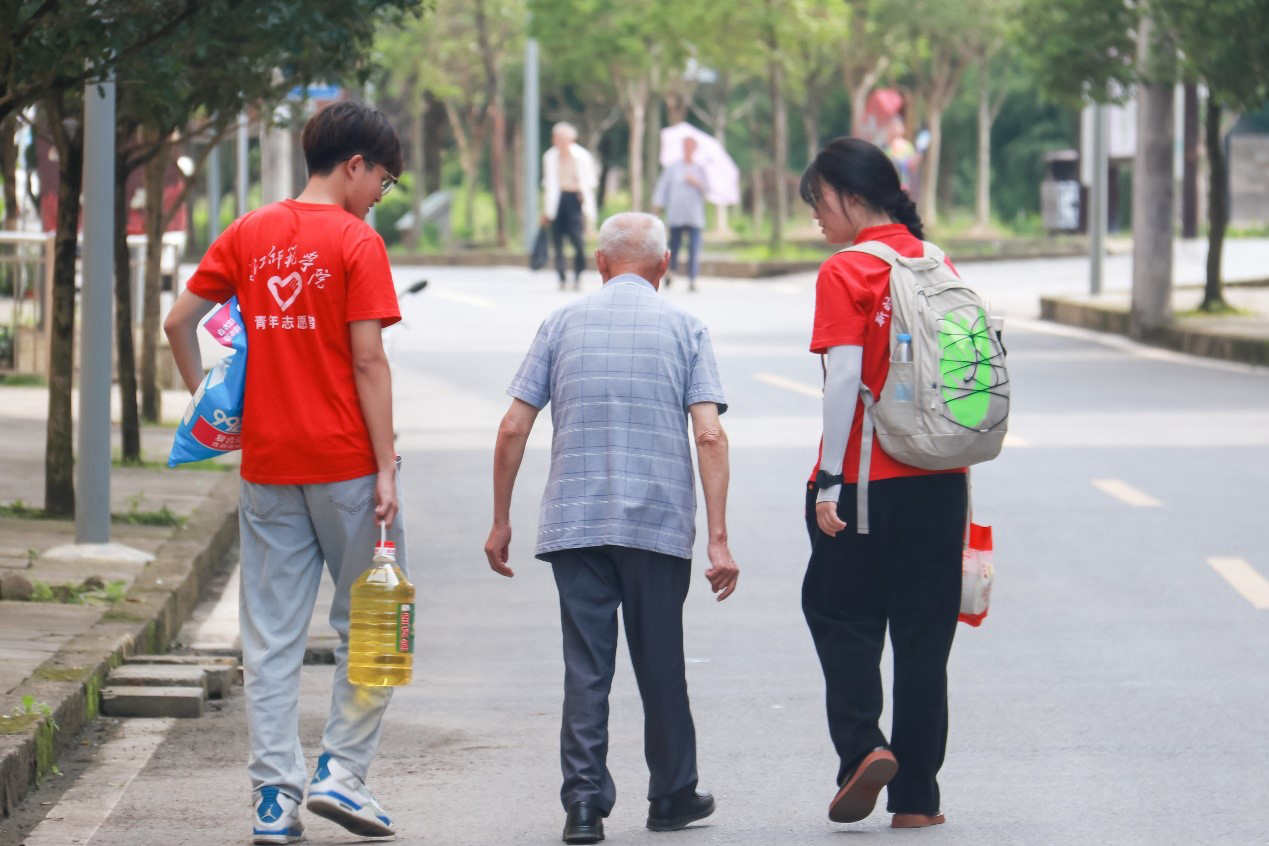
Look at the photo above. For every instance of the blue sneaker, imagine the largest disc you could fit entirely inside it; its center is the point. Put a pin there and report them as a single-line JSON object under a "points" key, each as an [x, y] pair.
{"points": [[277, 818], [337, 794]]}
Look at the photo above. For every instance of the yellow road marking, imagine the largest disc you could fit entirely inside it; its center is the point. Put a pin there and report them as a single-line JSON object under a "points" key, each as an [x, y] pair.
{"points": [[789, 384], [1244, 579], [1126, 493]]}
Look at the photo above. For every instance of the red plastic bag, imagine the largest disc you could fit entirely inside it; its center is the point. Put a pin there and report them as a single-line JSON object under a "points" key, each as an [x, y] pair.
{"points": [[977, 575]]}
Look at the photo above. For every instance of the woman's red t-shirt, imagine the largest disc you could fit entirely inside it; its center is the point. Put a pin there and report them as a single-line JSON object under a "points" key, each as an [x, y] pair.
{"points": [[852, 308], [302, 272]]}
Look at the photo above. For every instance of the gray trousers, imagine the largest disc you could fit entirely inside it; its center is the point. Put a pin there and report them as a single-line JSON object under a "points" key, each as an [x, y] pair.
{"points": [[287, 532], [650, 588]]}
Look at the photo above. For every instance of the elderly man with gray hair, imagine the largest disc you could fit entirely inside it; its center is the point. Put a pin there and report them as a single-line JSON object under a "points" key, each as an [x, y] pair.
{"points": [[569, 179], [623, 370]]}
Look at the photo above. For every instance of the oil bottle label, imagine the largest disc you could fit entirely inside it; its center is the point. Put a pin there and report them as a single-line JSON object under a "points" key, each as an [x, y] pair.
{"points": [[405, 627]]}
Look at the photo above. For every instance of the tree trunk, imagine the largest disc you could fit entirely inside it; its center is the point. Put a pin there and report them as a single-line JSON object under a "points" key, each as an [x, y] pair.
{"points": [[780, 156], [636, 117], [759, 208], [982, 206], [811, 125], [125, 349], [1152, 191], [1189, 174], [1217, 207], [418, 130], [930, 166], [9, 170], [652, 149], [859, 90], [151, 399], [497, 168], [59, 456], [467, 160]]}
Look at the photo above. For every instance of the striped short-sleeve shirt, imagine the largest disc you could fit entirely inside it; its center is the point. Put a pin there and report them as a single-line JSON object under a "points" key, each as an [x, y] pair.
{"points": [[620, 368]]}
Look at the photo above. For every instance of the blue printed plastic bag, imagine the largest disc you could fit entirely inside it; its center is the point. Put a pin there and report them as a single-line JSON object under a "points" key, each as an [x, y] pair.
{"points": [[212, 424]]}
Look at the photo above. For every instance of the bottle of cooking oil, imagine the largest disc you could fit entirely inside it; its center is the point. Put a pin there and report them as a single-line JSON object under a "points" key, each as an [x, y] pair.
{"points": [[381, 622]]}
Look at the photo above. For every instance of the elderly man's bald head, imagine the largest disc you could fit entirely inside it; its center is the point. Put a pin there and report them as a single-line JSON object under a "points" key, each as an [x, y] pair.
{"points": [[632, 242]]}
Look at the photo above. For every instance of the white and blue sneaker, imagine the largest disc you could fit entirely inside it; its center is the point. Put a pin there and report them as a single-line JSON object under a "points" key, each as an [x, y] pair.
{"points": [[338, 795], [276, 819]]}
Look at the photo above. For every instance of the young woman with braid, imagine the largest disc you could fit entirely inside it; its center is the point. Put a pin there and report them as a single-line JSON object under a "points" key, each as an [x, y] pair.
{"points": [[906, 572]]}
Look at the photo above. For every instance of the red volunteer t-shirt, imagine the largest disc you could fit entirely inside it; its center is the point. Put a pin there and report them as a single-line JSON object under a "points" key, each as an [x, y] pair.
{"points": [[852, 308], [302, 272]]}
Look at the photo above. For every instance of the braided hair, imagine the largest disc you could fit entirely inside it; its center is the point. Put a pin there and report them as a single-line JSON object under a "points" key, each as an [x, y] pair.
{"points": [[854, 166]]}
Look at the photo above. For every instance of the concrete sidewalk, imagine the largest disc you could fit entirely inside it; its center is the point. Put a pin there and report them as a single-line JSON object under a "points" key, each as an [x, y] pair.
{"points": [[1242, 337], [54, 655]]}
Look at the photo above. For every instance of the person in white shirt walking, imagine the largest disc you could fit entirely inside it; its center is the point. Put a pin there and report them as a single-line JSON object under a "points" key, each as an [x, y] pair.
{"points": [[569, 180]]}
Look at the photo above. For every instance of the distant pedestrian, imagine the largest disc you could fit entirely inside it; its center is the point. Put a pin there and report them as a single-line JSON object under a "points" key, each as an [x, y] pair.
{"points": [[623, 371], [681, 193], [906, 572], [569, 180], [319, 470], [902, 152]]}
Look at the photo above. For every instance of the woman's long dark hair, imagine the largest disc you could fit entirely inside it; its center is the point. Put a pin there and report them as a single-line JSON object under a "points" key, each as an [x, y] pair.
{"points": [[853, 166]]}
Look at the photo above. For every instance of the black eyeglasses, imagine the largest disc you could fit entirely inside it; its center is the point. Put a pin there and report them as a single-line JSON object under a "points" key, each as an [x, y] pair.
{"points": [[385, 184]]}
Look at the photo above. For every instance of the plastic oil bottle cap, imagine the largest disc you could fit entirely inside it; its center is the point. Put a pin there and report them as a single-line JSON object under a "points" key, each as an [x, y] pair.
{"points": [[903, 336]]}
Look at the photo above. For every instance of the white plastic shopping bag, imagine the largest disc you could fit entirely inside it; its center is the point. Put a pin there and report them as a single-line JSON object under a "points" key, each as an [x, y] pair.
{"points": [[977, 574]]}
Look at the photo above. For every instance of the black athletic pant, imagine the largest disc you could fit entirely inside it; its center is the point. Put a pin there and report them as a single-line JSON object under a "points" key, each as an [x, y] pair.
{"points": [[906, 573], [568, 224]]}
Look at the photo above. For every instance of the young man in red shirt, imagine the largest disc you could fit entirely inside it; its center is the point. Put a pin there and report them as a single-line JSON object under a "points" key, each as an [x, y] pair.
{"points": [[319, 470]]}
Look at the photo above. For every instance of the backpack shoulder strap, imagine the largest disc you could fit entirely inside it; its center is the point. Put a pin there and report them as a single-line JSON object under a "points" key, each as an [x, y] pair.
{"points": [[874, 248]]}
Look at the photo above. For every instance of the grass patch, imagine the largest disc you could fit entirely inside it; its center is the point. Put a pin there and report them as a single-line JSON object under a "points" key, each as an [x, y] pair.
{"points": [[161, 517], [132, 517], [206, 465], [91, 592], [1222, 310], [789, 252], [23, 380], [21, 511]]}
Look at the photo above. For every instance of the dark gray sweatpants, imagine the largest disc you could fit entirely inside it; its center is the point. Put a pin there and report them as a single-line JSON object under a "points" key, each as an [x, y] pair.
{"points": [[650, 588]]}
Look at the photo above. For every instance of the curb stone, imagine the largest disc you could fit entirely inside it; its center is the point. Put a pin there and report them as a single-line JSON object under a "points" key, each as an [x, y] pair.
{"points": [[1227, 346], [155, 606]]}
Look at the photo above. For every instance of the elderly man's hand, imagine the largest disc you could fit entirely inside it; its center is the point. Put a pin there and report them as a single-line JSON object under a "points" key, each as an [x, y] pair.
{"points": [[724, 572], [497, 549]]}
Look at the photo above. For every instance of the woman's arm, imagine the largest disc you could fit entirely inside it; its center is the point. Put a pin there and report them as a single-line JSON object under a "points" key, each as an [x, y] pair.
{"points": [[843, 371]]}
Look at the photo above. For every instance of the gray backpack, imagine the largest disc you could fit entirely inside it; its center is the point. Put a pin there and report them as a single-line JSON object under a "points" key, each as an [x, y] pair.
{"points": [[957, 410]]}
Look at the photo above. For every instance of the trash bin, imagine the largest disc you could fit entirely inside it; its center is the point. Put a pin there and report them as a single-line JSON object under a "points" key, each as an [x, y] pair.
{"points": [[1061, 200]]}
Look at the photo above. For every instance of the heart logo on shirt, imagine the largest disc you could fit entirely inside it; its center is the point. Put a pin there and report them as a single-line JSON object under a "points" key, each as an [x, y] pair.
{"points": [[278, 285]]}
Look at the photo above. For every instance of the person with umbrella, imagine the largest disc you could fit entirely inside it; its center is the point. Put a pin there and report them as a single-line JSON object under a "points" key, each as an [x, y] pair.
{"points": [[680, 192]]}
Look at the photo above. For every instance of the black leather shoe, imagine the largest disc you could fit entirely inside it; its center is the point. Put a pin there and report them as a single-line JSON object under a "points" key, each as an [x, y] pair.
{"points": [[584, 824], [670, 813]]}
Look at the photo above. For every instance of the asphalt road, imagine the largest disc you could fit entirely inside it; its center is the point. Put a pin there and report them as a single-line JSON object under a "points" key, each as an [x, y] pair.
{"points": [[1114, 695]]}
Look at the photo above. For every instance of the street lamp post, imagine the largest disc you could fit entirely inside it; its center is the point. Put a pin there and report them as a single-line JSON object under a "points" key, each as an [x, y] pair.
{"points": [[1097, 218], [92, 511]]}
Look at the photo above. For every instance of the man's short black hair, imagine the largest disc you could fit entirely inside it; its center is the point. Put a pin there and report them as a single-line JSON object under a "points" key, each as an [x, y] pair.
{"points": [[342, 130]]}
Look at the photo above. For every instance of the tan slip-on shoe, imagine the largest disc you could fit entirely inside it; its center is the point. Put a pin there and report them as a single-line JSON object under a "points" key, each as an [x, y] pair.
{"points": [[858, 794], [916, 820]]}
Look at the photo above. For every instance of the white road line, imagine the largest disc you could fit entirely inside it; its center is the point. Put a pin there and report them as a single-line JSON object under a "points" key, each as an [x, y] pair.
{"points": [[465, 299], [1012, 440], [93, 797], [1244, 579], [789, 384], [1126, 493]]}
